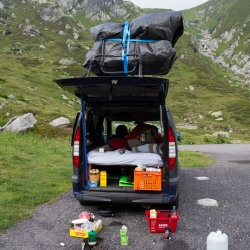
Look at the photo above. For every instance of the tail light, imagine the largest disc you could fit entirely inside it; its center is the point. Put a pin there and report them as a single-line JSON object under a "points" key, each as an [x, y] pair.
{"points": [[172, 149], [76, 148]]}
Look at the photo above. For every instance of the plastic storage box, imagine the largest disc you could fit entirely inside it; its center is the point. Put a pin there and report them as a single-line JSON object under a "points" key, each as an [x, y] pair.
{"points": [[158, 224], [146, 180]]}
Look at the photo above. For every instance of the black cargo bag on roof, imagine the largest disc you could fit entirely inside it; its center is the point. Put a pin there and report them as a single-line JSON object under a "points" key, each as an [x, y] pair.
{"points": [[152, 39], [157, 57], [158, 26]]}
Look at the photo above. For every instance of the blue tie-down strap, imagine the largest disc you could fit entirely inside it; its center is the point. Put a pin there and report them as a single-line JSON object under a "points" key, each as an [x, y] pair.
{"points": [[126, 41]]}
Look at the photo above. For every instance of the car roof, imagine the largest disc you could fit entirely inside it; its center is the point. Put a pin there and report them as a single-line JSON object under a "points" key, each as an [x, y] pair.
{"points": [[117, 89]]}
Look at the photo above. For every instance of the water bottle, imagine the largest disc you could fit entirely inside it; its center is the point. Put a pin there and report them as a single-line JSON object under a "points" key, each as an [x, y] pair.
{"points": [[217, 241]]}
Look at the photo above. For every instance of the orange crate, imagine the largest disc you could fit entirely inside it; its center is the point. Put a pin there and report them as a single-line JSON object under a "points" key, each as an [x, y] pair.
{"points": [[145, 180]]}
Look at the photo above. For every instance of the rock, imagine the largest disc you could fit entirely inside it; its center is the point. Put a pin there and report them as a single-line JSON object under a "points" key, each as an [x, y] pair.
{"points": [[71, 48], [187, 126], [216, 114], [61, 121], [62, 33], [64, 97], [1, 5], [31, 30], [69, 41], [6, 32], [2, 105], [52, 14], [21, 123], [221, 133], [11, 96], [65, 61], [76, 36], [81, 26]]}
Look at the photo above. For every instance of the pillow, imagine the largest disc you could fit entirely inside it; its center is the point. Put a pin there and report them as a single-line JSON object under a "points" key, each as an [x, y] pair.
{"points": [[117, 143], [148, 148], [134, 142]]}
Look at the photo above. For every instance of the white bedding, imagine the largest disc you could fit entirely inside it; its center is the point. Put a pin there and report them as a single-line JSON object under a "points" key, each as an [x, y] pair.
{"points": [[128, 158]]}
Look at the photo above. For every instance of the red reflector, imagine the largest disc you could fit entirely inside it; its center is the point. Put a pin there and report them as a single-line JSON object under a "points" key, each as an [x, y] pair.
{"points": [[171, 163], [77, 134], [76, 161], [170, 135], [76, 153], [172, 149]]}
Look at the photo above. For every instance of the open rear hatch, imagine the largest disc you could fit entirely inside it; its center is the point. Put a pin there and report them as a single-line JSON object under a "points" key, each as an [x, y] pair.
{"points": [[113, 89]]}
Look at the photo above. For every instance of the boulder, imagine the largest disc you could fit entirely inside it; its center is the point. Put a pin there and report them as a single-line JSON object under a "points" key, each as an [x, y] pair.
{"points": [[61, 121], [21, 123], [221, 133], [65, 61], [216, 114], [62, 33], [31, 30], [6, 32]]}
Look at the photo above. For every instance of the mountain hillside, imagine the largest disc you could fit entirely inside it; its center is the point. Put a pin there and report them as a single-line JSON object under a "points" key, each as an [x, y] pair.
{"points": [[223, 34], [45, 40]]}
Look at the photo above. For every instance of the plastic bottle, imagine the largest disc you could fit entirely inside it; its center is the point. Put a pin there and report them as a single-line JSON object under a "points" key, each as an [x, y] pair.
{"points": [[217, 241], [173, 214]]}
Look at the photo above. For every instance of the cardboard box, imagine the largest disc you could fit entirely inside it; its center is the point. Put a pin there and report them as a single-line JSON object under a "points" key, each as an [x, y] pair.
{"points": [[94, 177], [81, 234], [103, 178]]}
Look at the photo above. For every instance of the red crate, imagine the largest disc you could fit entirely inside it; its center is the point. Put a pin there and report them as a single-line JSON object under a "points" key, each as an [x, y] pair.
{"points": [[158, 224]]}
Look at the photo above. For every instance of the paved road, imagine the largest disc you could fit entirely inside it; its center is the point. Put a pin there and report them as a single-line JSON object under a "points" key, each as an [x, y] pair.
{"points": [[237, 149], [228, 184]]}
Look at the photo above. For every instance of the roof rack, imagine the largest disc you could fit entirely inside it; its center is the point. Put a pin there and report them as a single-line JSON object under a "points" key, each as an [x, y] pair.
{"points": [[136, 61]]}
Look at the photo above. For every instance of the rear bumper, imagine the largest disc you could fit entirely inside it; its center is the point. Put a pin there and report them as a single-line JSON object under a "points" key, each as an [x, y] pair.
{"points": [[113, 197], [135, 197]]}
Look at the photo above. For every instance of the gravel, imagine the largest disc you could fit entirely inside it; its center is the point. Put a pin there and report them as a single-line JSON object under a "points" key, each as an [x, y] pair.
{"points": [[228, 183]]}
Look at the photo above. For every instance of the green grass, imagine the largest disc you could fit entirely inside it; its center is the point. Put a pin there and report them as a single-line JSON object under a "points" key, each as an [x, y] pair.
{"points": [[192, 159], [33, 171]]}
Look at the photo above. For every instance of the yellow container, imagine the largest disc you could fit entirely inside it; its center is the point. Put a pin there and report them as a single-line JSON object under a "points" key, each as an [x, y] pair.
{"points": [[153, 213], [81, 234], [103, 178]]}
